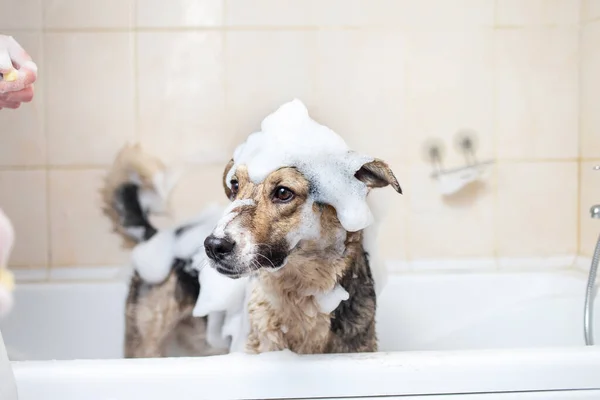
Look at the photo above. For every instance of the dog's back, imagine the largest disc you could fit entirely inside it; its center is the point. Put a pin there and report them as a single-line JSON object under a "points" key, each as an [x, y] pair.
{"points": [[158, 318]]}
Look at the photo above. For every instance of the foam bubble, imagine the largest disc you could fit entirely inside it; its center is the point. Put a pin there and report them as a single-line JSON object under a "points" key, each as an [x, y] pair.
{"points": [[289, 137], [329, 301]]}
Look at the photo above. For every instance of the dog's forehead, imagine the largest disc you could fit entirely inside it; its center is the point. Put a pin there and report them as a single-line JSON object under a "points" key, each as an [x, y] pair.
{"points": [[285, 175]]}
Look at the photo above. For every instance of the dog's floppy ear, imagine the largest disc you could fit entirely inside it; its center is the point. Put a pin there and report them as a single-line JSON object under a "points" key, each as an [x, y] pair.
{"points": [[227, 168], [376, 174]]}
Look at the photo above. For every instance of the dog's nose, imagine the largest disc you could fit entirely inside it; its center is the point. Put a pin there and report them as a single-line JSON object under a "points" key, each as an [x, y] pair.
{"points": [[218, 248]]}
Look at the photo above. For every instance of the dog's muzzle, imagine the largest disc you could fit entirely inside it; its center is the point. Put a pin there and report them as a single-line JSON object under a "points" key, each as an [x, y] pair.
{"points": [[218, 249]]}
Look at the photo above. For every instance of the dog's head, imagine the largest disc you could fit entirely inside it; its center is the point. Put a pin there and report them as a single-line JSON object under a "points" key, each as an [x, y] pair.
{"points": [[267, 222]]}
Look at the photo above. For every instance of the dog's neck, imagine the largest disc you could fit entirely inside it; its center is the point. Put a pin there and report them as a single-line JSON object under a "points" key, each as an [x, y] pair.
{"points": [[312, 269]]}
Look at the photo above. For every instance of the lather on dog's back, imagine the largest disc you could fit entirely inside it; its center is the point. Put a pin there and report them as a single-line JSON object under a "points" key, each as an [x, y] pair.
{"points": [[298, 251], [158, 313]]}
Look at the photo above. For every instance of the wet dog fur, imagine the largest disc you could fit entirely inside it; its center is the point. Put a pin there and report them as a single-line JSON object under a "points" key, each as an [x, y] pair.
{"points": [[296, 249], [158, 317]]}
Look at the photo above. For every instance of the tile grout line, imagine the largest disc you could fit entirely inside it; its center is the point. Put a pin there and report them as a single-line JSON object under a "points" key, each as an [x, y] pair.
{"points": [[47, 180], [225, 76], [59, 167], [407, 220], [136, 83], [496, 229], [579, 138], [243, 28]]}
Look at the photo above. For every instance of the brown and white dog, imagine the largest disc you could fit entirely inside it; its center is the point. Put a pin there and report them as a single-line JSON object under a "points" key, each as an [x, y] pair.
{"points": [[262, 234], [268, 233]]}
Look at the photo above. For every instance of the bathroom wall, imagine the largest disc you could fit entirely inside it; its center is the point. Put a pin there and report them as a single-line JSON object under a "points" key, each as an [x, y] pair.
{"points": [[190, 79], [590, 123]]}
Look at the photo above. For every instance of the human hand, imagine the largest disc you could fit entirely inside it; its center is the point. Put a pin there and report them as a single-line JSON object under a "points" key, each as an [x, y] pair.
{"points": [[18, 71]]}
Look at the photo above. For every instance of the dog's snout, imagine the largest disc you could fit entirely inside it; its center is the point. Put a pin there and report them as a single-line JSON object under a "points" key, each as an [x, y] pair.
{"points": [[218, 248]]}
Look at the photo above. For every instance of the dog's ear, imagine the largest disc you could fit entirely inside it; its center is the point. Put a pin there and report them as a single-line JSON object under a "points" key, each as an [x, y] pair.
{"points": [[227, 168], [376, 174]]}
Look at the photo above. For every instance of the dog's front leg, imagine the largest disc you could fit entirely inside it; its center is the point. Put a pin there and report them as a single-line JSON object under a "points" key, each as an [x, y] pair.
{"points": [[265, 341], [265, 329]]}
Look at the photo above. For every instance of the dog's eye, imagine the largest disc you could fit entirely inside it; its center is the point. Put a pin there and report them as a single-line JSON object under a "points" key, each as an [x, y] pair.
{"points": [[235, 186], [283, 194]]}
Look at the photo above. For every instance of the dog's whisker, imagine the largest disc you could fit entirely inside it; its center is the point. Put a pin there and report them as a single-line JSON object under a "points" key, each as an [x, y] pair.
{"points": [[266, 258]]}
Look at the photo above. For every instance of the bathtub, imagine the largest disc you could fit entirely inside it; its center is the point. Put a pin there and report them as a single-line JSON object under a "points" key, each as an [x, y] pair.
{"points": [[476, 335]]}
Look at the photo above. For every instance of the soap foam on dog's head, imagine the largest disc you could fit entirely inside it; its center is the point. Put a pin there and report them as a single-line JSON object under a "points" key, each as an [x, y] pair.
{"points": [[290, 138], [303, 190]]}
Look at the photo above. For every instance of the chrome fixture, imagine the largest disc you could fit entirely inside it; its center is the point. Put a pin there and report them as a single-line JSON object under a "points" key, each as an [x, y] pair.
{"points": [[588, 313]]}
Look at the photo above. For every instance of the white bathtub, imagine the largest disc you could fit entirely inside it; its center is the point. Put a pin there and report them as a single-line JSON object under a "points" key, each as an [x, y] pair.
{"points": [[460, 335]]}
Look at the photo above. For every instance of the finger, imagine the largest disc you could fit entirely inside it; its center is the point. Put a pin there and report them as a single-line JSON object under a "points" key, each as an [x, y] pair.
{"points": [[25, 95], [6, 104], [24, 79]]}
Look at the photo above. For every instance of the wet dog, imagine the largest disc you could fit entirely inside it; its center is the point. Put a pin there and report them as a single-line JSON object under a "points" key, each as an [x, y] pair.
{"points": [[312, 284]]}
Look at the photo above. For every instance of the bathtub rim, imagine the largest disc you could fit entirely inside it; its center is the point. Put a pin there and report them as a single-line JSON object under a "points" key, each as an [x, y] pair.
{"points": [[237, 376]]}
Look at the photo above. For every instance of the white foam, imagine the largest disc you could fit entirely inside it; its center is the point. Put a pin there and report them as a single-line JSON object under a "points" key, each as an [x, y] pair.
{"points": [[220, 294], [329, 301], [289, 137], [214, 327], [190, 243], [153, 259], [378, 202]]}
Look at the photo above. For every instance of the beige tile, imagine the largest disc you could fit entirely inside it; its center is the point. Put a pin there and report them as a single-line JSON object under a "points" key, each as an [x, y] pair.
{"points": [[179, 13], [181, 95], [537, 93], [536, 210], [21, 14], [23, 140], [79, 233], [90, 114], [450, 90], [23, 200], [392, 13], [590, 196], [461, 225], [268, 13], [360, 90], [200, 186], [73, 14], [393, 236], [264, 70], [590, 90], [427, 13], [339, 12], [537, 12], [590, 9]]}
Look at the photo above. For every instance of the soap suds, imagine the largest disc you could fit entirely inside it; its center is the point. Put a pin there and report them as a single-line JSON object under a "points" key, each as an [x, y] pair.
{"points": [[221, 294], [222, 300], [329, 301], [153, 259], [229, 214], [289, 137], [309, 229]]}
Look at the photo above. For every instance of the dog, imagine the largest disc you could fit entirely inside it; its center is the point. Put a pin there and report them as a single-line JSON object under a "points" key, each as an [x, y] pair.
{"points": [[312, 286], [160, 301]]}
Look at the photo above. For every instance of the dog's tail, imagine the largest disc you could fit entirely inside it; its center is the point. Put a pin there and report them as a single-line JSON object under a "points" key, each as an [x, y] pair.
{"points": [[137, 185]]}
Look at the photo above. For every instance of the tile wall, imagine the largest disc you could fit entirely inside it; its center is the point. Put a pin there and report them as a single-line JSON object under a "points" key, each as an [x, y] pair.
{"points": [[190, 79], [590, 124]]}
